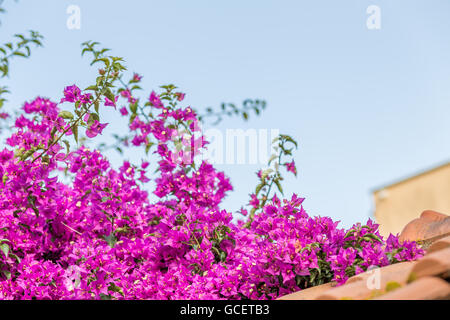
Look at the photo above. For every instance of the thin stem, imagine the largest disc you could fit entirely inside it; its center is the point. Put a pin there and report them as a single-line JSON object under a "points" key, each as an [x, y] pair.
{"points": [[97, 100]]}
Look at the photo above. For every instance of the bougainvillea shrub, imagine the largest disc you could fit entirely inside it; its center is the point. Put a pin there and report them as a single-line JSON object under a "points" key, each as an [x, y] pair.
{"points": [[74, 227]]}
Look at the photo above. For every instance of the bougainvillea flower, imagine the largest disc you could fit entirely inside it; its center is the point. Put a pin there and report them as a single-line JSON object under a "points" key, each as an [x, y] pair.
{"points": [[102, 236], [291, 167], [95, 129], [137, 77], [155, 101], [124, 111]]}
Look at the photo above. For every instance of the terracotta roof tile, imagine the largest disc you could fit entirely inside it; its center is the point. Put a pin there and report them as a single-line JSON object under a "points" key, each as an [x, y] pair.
{"points": [[433, 264], [427, 288], [310, 293], [422, 279], [431, 215], [430, 224], [439, 245], [364, 285], [398, 272], [357, 290]]}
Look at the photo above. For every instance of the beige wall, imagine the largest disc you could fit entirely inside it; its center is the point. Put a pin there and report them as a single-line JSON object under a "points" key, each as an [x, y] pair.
{"points": [[398, 204]]}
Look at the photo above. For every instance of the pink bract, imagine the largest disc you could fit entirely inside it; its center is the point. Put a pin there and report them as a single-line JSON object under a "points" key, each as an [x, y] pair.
{"points": [[100, 237]]}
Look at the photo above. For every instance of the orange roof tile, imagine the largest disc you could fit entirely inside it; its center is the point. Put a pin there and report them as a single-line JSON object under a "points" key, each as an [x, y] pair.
{"points": [[439, 245], [395, 272], [428, 288], [424, 279], [430, 224], [356, 290], [433, 264], [310, 293]]}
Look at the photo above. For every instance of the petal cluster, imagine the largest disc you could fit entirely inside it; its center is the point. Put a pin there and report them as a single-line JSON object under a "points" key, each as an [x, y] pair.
{"points": [[101, 237]]}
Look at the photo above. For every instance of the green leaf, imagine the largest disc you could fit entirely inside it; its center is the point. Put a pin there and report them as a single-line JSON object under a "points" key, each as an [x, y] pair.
{"points": [[110, 95], [67, 146], [373, 237], [272, 157], [20, 54], [32, 202], [66, 115], [349, 233], [133, 107], [277, 182], [5, 249], [265, 173], [75, 132], [7, 274], [259, 187], [111, 240], [92, 118], [91, 88], [114, 288]]}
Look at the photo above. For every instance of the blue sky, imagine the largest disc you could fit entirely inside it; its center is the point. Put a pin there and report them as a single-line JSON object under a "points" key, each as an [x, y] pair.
{"points": [[367, 106]]}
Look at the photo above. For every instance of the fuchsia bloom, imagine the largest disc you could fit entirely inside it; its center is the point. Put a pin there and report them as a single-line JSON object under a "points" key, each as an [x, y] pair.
{"points": [[254, 202], [126, 93], [180, 96], [110, 103], [95, 129], [291, 167], [155, 100], [137, 77], [73, 94], [124, 111], [101, 236]]}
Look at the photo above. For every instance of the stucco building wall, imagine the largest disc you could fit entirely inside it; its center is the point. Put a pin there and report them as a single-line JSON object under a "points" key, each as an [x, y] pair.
{"points": [[399, 203]]}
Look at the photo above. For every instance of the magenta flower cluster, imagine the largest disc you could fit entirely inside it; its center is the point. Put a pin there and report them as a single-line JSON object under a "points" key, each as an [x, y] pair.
{"points": [[99, 237]]}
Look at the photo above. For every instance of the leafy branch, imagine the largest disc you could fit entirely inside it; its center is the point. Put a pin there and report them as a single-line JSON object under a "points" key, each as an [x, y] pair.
{"points": [[110, 72], [20, 48], [272, 176], [230, 109]]}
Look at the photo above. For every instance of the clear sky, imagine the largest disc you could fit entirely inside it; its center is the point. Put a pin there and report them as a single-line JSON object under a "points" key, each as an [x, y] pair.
{"points": [[367, 106]]}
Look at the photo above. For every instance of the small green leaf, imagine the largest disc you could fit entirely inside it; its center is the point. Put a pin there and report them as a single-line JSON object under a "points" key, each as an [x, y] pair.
{"points": [[66, 115], [265, 173], [7, 274], [32, 202], [272, 157], [110, 95], [111, 240], [91, 88], [277, 182], [133, 107], [5, 249], [75, 132], [258, 188], [67, 146], [114, 288]]}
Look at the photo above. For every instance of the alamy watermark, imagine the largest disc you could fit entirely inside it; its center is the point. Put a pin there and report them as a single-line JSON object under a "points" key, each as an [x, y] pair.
{"points": [[373, 281], [74, 20], [373, 21], [232, 146]]}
